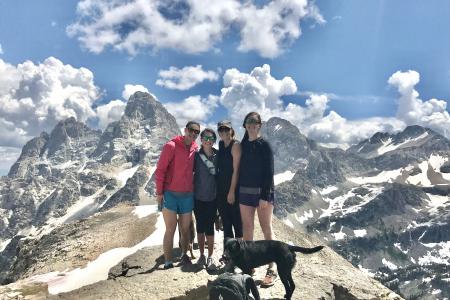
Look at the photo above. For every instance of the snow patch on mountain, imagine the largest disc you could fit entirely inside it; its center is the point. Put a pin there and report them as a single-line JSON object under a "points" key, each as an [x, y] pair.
{"points": [[328, 190], [143, 211], [440, 254], [360, 232], [125, 174], [282, 177], [97, 270], [4, 244], [390, 146], [305, 217], [389, 264], [437, 201], [384, 176], [337, 204]]}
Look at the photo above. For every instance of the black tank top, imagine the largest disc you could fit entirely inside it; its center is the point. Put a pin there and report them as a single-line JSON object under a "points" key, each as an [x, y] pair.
{"points": [[224, 168]]}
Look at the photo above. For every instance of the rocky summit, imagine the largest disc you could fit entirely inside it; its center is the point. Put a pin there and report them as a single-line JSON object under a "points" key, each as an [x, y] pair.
{"points": [[140, 275]]}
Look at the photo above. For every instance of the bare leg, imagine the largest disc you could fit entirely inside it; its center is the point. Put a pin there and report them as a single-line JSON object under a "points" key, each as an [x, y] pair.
{"points": [[170, 220], [265, 221], [210, 240], [201, 243], [248, 218], [185, 223]]}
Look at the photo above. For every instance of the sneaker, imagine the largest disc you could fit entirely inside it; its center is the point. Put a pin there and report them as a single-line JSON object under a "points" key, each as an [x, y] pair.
{"points": [[210, 265], [269, 278], [185, 260], [168, 265], [201, 260]]}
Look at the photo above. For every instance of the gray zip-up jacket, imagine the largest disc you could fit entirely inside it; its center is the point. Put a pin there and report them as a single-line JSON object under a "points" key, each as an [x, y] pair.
{"points": [[204, 181]]}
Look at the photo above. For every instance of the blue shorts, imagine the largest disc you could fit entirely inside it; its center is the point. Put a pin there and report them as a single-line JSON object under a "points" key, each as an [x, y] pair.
{"points": [[180, 203]]}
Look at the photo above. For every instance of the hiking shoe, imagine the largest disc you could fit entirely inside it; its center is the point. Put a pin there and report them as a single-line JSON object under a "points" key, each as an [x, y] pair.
{"points": [[185, 260], [210, 265], [201, 260], [168, 265], [269, 278]]}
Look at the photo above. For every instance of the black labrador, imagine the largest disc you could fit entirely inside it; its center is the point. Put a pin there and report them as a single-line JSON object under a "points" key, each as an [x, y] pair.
{"points": [[252, 254]]}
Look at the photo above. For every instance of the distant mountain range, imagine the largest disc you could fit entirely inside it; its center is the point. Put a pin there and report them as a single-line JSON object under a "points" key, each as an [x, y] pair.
{"points": [[383, 204]]}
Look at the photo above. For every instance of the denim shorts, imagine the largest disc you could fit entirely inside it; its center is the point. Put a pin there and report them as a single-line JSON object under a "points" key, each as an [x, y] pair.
{"points": [[180, 203]]}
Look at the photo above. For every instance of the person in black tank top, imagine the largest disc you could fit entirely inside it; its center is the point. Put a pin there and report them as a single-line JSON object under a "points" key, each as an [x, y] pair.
{"points": [[227, 178]]}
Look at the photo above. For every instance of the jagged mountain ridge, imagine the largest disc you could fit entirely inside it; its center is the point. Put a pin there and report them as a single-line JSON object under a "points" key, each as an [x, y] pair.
{"points": [[383, 204], [77, 166]]}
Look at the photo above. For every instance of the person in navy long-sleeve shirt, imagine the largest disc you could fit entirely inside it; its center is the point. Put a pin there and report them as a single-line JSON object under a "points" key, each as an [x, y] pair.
{"points": [[256, 185]]}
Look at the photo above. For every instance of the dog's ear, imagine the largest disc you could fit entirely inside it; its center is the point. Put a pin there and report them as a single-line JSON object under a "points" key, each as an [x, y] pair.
{"points": [[235, 246]]}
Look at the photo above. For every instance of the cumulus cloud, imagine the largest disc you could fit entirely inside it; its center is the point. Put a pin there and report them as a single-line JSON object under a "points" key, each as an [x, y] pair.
{"points": [[190, 26], [34, 97], [412, 110], [185, 78], [260, 91], [193, 108], [256, 91], [110, 112], [130, 89], [8, 155]]}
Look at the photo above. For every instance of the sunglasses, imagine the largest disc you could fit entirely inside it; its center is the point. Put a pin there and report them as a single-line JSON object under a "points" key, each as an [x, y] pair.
{"points": [[251, 121], [208, 139], [192, 130], [223, 129]]}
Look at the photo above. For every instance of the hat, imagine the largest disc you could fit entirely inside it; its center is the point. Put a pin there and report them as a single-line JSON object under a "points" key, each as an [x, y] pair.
{"points": [[224, 123]]}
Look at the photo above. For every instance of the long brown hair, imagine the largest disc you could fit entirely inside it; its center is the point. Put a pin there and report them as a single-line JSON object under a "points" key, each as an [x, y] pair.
{"points": [[250, 114]]}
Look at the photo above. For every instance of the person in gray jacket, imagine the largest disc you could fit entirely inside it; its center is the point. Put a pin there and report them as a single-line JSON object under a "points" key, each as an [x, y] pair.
{"points": [[205, 207]]}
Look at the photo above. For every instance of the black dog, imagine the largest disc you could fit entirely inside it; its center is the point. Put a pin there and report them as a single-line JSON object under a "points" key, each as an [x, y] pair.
{"points": [[252, 254], [233, 287]]}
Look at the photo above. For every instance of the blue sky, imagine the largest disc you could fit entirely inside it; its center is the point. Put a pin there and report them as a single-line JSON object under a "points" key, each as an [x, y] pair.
{"points": [[340, 70]]}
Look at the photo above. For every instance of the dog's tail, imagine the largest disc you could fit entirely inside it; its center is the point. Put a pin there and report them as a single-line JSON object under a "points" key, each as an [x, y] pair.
{"points": [[305, 250]]}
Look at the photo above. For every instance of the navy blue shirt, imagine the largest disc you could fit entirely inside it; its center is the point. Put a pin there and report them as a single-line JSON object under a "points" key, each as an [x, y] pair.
{"points": [[257, 166]]}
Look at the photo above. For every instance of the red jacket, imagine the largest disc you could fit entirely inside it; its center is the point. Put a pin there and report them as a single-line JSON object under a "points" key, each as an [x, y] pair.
{"points": [[174, 171]]}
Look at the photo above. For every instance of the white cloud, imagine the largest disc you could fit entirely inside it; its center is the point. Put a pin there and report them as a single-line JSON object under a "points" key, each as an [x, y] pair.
{"points": [[130, 89], [256, 91], [34, 97], [8, 155], [1, 49], [412, 110], [193, 108], [110, 112], [336, 131], [185, 78], [190, 26], [259, 91]]}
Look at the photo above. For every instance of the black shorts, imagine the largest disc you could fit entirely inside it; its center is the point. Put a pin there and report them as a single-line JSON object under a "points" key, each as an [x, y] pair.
{"points": [[205, 215]]}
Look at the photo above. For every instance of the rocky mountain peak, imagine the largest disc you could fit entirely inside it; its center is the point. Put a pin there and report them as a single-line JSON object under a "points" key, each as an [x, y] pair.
{"points": [[145, 126], [144, 106], [289, 145], [67, 130], [378, 137]]}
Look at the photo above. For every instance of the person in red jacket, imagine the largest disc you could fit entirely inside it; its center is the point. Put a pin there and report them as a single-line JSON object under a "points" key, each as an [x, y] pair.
{"points": [[174, 189]]}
